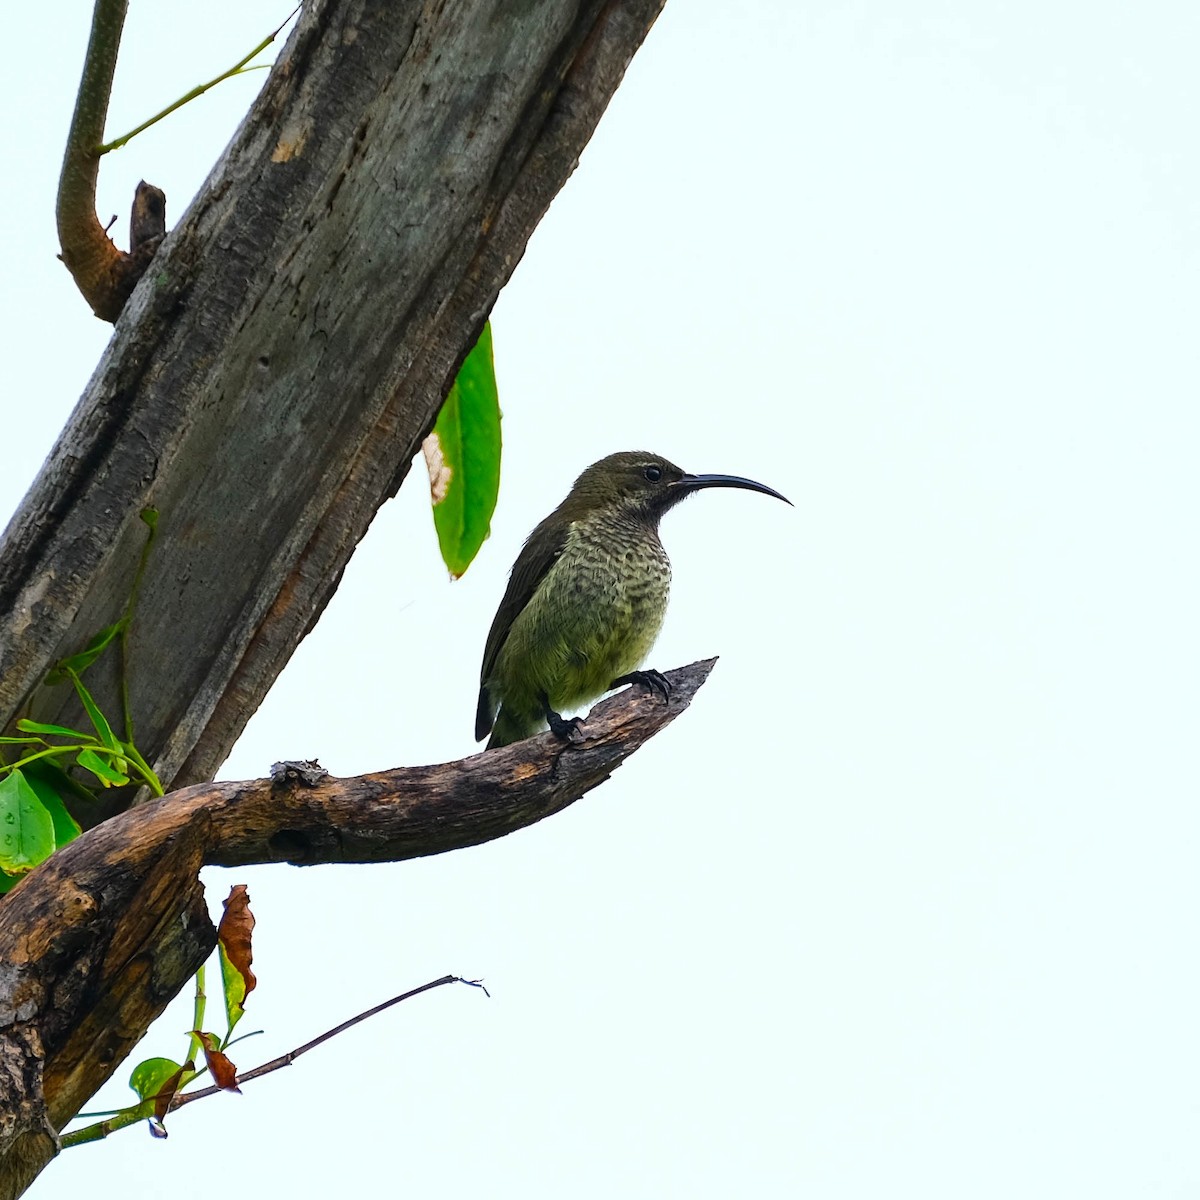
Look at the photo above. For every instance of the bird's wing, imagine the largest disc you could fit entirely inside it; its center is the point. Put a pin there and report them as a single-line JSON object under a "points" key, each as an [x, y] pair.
{"points": [[538, 555]]}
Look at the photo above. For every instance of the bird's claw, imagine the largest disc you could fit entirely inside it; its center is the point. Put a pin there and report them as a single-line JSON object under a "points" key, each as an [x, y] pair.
{"points": [[655, 681], [562, 727]]}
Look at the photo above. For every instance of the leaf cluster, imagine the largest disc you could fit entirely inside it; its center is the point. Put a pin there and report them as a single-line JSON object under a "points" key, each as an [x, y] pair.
{"points": [[34, 819], [158, 1082]]}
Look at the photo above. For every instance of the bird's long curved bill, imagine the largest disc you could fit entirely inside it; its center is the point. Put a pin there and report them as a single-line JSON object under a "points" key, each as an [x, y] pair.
{"points": [[693, 483]]}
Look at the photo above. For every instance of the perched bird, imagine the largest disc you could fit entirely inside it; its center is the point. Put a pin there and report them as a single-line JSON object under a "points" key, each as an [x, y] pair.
{"points": [[586, 597]]}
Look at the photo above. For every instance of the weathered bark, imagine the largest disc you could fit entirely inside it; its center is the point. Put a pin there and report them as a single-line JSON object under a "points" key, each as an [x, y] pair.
{"points": [[272, 376], [98, 938]]}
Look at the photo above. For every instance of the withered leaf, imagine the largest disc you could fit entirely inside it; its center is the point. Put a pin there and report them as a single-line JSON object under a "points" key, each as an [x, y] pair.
{"points": [[223, 1071], [233, 940], [165, 1094]]}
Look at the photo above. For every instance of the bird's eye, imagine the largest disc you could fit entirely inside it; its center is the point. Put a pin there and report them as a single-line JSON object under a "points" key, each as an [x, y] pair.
{"points": [[653, 472]]}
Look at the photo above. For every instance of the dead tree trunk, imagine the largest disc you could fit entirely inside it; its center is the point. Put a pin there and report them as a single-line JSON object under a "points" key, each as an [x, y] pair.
{"points": [[275, 371], [266, 387]]}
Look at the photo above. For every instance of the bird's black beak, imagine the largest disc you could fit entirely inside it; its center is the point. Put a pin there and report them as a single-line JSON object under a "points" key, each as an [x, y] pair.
{"points": [[693, 483]]}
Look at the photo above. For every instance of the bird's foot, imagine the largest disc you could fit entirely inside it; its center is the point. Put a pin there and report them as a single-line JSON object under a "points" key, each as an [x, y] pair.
{"points": [[656, 681], [562, 727]]}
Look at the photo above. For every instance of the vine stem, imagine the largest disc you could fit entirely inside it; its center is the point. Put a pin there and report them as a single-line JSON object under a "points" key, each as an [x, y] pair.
{"points": [[150, 520], [195, 1045], [239, 68]]}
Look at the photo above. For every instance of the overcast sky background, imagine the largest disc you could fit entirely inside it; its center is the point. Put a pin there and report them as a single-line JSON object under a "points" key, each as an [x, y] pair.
{"points": [[906, 904]]}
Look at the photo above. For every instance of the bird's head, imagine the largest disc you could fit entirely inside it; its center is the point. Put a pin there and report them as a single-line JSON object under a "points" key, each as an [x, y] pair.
{"points": [[639, 484]]}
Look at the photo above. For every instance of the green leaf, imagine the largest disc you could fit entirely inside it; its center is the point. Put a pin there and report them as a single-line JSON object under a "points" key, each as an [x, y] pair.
{"points": [[88, 655], [106, 772], [157, 1081], [48, 770], [8, 882], [56, 730], [26, 828], [234, 986], [151, 1075], [66, 828], [463, 457], [97, 718], [12, 741]]}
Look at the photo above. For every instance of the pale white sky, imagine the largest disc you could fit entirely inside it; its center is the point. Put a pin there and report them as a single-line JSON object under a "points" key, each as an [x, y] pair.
{"points": [[906, 904]]}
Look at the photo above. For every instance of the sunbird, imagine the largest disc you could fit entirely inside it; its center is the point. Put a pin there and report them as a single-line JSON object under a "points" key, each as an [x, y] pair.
{"points": [[586, 597]]}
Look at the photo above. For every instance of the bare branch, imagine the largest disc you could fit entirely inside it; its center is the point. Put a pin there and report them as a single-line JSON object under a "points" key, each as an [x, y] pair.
{"points": [[105, 275], [286, 1060]]}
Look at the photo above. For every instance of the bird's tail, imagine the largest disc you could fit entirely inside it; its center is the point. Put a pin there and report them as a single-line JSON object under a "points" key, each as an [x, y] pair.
{"points": [[511, 727]]}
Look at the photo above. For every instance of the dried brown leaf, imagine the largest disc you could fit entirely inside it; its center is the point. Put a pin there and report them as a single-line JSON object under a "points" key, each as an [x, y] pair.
{"points": [[234, 934], [223, 1071], [165, 1094]]}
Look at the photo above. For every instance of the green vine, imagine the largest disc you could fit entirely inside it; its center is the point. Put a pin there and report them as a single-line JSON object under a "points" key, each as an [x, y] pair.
{"points": [[34, 817]]}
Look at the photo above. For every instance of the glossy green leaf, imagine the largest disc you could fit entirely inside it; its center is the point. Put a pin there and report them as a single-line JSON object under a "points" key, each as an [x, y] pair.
{"points": [[463, 457], [88, 655], [103, 729], [104, 770], [66, 828], [26, 828], [57, 730], [48, 770], [151, 1075]]}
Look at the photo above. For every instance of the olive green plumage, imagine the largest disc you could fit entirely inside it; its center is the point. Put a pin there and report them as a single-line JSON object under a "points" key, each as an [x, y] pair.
{"points": [[587, 595]]}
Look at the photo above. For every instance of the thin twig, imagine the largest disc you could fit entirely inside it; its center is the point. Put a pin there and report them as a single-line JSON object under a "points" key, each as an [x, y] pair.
{"points": [[238, 68], [286, 1060], [121, 1118]]}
